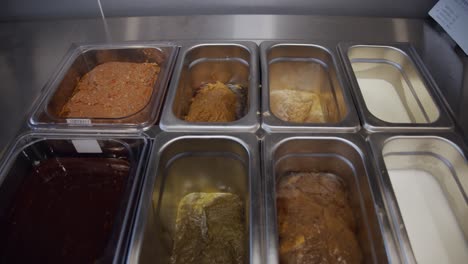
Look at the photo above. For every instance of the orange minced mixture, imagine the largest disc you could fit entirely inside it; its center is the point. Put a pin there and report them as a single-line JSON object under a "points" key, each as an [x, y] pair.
{"points": [[112, 90]]}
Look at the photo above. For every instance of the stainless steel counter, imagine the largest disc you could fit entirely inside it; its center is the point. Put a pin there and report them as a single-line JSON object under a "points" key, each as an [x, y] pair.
{"points": [[30, 51]]}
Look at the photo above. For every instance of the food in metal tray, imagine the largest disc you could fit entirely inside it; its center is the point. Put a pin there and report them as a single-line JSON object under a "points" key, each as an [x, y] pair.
{"points": [[296, 106], [315, 221], [112, 90], [63, 211], [209, 229], [214, 102]]}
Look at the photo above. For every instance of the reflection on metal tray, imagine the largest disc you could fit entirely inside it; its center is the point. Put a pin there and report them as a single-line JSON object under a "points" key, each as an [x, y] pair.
{"points": [[35, 148], [231, 63], [425, 182], [343, 156], [304, 70], [392, 88], [185, 164], [83, 58]]}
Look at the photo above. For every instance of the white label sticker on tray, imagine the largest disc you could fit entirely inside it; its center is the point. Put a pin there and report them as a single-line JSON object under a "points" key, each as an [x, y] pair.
{"points": [[79, 121], [86, 146], [452, 15]]}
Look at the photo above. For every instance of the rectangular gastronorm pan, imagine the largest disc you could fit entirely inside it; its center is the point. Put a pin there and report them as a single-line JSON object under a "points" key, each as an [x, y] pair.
{"points": [[392, 88], [310, 67], [438, 157], [206, 62], [82, 58], [181, 164], [343, 155], [33, 147]]}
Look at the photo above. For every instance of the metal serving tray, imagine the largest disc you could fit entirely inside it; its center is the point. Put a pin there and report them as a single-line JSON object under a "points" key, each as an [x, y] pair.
{"points": [[344, 156], [312, 68], [392, 88], [82, 59], [424, 179], [32, 148], [181, 164], [206, 62]]}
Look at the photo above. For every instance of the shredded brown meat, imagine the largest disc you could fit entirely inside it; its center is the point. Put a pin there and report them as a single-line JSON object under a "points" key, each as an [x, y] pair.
{"points": [[214, 102], [315, 221]]}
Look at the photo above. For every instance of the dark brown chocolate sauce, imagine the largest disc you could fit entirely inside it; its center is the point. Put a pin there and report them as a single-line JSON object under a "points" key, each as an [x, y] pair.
{"points": [[63, 212]]}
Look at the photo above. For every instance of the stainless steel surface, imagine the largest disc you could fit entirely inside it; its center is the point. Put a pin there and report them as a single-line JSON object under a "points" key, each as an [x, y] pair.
{"points": [[448, 66], [234, 63], [310, 67], [393, 66], [31, 50], [83, 58], [390, 92], [442, 156], [181, 164], [31, 148], [30, 9], [343, 155]]}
